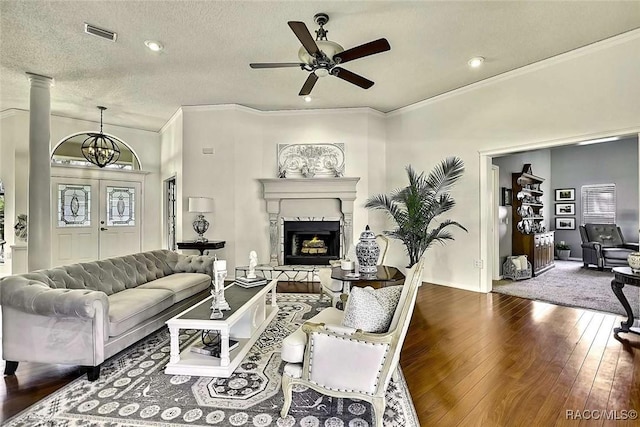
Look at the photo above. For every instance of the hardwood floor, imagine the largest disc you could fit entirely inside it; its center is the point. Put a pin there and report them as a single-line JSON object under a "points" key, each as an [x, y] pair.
{"points": [[475, 360]]}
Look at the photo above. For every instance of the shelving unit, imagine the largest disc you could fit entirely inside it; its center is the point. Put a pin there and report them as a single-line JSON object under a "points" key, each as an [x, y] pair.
{"points": [[528, 237]]}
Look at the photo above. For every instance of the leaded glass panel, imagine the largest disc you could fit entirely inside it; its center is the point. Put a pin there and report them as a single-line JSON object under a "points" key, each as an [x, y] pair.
{"points": [[74, 205], [121, 206]]}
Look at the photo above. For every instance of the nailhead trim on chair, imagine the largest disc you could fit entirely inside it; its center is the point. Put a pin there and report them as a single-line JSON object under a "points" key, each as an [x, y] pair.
{"points": [[384, 359]]}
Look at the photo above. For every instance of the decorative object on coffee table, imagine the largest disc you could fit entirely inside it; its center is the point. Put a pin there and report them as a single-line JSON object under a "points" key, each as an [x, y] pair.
{"points": [[634, 261], [253, 262], [368, 252], [200, 205], [219, 274], [415, 206]]}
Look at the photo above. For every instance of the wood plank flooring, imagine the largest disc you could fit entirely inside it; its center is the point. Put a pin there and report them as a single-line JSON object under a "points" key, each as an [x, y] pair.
{"points": [[475, 360]]}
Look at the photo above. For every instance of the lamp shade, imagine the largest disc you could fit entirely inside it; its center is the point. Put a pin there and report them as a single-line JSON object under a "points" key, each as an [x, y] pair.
{"points": [[200, 204]]}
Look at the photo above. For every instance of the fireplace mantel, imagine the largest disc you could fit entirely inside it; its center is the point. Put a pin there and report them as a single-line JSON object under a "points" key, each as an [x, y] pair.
{"points": [[277, 189]]}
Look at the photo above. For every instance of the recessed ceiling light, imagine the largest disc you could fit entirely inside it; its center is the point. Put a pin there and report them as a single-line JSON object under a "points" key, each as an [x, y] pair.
{"points": [[476, 61], [596, 141], [307, 99], [154, 45]]}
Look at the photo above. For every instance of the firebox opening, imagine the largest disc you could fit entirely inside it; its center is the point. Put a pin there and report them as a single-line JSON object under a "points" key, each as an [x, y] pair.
{"points": [[311, 242]]}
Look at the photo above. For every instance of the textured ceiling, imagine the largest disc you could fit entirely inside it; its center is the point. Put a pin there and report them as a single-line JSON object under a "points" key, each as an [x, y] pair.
{"points": [[208, 46]]}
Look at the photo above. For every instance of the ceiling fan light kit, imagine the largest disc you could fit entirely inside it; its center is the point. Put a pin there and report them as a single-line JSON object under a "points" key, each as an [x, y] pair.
{"points": [[321, 57]]}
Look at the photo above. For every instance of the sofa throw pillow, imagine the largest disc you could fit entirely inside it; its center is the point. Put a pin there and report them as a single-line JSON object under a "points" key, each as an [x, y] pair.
{"points": [[371, 309]]}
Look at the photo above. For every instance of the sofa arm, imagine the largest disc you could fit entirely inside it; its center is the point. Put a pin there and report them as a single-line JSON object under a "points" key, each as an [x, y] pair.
{"points": [[632, 246], [194, 264], [31, 296]]}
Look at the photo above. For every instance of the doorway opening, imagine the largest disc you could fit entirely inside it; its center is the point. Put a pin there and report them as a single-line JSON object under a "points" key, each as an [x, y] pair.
{"points": [[2, 240], [568, 168], [170, 209]]}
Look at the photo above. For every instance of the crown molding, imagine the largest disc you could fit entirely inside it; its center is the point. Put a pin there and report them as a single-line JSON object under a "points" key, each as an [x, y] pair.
{"points": [[5, 114], [172, 119], [559, 142], [526, 69], [306, 111]]}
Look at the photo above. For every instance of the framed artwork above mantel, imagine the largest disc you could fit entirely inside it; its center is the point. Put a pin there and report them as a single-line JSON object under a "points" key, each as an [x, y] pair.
{"points": [[311, 160]]}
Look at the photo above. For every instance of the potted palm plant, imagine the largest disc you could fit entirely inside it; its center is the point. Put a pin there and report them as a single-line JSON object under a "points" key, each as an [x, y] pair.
{"points": [[415, 207], [563, 250]]}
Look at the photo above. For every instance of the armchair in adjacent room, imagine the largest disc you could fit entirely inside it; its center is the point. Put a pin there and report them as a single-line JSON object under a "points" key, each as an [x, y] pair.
{"points": [[604, 246], [342, 361]]}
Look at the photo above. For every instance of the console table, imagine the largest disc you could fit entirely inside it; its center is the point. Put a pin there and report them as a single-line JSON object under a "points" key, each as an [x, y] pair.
{"points": [[202, 246], [624, 276]]}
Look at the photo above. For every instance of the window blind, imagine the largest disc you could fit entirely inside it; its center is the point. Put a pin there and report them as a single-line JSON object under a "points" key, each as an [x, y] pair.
{"points": [[599, 204]]}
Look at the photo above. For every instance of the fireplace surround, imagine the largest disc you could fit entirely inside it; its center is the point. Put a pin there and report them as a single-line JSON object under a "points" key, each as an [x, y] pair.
{"points": [[308, 191]]}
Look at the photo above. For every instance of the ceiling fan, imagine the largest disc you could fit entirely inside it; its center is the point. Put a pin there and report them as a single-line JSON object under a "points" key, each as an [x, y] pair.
{"points": [[322, 57]]}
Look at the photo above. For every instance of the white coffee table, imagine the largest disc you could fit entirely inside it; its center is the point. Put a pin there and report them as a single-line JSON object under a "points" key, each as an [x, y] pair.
{"points": [[249, 316]]}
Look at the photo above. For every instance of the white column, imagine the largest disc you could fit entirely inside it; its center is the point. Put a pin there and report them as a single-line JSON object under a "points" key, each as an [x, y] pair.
{"points": [[39, 213]]}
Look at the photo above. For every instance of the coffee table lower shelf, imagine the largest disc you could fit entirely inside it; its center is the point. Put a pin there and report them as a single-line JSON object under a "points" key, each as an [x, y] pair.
{"points": [[201, 365], [251, 310]]}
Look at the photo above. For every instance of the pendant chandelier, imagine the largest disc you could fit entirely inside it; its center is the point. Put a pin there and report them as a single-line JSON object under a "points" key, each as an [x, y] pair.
{"points": [[100, 149]]}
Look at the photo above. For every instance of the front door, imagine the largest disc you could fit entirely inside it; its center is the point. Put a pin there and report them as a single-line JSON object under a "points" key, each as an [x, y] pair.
{"points": [[94, 219], [120, 215]]}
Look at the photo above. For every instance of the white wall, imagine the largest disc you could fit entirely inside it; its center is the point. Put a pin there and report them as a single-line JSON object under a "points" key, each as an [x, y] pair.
{"points": [[586, 92], [245, 150], [14, 145]]}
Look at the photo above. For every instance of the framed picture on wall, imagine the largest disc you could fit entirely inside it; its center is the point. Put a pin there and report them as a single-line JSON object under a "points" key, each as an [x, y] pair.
{"points": [[565, 223], [565, 194], [565, 208]]}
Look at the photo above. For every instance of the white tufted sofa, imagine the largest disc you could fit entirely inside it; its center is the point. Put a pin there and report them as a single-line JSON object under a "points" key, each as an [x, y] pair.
{"points": [[82, 314]]}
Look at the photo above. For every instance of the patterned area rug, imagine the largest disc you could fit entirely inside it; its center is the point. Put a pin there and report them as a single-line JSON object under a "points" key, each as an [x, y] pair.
{"points": [[134, 390], [570, 283]]}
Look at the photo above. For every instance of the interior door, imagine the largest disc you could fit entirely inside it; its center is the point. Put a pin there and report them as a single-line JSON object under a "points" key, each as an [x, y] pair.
{"points": [[120, 214], [75, 220]]}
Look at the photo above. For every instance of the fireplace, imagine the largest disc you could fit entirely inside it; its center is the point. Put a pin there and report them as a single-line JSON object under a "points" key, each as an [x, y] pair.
{"points": [[311, 242], [312, 200]]}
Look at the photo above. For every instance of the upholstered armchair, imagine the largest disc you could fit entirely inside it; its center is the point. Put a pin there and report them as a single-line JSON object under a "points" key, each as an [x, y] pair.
{"points": [[604, 246], [340, 361]]}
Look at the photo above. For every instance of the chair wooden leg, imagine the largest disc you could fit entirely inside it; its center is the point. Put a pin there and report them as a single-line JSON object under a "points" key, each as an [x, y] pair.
{"points": [[378, 404], [287, 389]]}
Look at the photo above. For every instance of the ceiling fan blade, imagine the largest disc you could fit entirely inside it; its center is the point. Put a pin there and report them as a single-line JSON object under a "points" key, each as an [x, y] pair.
{"points": [[302, 33], [371, 48], [354, 78], [308, 84], [275, 64]]}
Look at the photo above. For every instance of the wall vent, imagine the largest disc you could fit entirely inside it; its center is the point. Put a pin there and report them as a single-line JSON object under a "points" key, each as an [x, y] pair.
{"points": [[100, 32]]}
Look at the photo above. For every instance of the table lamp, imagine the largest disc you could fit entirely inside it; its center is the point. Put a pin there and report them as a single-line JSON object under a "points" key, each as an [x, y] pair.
{"points": [[200, 224]]}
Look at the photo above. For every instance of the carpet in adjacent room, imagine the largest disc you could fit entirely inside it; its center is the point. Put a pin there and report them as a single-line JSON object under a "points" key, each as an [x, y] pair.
{"points": [[134, 390], [571, 284]]}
